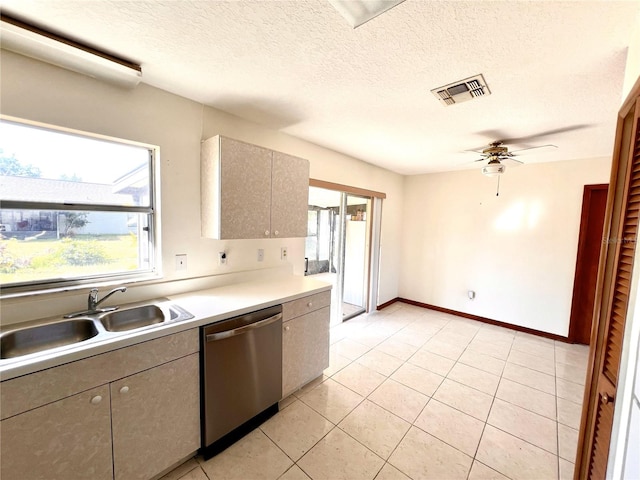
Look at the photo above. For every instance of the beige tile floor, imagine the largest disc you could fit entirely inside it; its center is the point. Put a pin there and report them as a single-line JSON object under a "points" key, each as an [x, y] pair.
{"points": [[416, 394]]}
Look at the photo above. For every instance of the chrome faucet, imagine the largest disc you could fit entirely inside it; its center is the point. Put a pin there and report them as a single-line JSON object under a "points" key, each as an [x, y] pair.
{"points": [[93, 302]]}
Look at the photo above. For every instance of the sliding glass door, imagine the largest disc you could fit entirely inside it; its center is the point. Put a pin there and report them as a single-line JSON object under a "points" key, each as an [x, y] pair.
{"points": [[337, 248], [356, 254]]}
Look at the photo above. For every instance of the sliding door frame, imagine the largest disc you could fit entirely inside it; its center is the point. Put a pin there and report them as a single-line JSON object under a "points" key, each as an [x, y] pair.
{"points": [[374, 230]]}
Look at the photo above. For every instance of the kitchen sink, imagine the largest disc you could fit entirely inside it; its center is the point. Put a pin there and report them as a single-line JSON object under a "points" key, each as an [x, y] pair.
{"points": [[139, 316], [96, 326], [24, 341], [130, 318]]}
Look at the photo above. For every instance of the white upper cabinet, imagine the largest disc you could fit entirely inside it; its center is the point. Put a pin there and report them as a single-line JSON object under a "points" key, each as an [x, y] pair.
{"points": [[289, 196], [252, 192]]}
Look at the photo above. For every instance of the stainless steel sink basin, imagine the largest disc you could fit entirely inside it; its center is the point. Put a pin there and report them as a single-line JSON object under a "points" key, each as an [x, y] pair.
{"points": [[43, 337], [130, 318], [139, 316]]}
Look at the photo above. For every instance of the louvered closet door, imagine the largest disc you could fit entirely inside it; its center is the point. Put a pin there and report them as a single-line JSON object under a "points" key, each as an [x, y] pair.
{"points": [[613, 290]]}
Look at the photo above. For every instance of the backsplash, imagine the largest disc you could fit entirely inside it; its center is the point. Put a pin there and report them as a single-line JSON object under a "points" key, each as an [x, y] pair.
{"points": [[22, 309]]}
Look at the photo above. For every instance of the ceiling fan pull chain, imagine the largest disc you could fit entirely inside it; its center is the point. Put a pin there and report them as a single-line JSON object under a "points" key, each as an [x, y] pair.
{"points": [[498, 191]]}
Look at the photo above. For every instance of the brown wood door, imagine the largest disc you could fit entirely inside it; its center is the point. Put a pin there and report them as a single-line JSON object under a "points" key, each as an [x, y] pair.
{"points": [[594, 202], [612, 294]]}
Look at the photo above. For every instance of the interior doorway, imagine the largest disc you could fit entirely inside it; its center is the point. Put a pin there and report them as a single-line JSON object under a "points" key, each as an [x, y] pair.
{"points": [[337, 248], [589, 245]]}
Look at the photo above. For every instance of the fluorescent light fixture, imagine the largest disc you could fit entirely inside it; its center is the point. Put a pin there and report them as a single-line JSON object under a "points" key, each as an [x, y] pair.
{"points": [[34, 42], [357, 12]]}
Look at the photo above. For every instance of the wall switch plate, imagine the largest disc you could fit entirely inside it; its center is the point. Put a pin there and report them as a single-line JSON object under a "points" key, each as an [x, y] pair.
{"points": [[222, 258], [283, 253], [181, 261], [260, 254]]}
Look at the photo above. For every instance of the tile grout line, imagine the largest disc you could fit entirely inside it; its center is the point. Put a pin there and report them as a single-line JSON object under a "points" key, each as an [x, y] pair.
{"points": [[412, 424], [446, 377], [385, 461], [489, 413], [484, 427]]}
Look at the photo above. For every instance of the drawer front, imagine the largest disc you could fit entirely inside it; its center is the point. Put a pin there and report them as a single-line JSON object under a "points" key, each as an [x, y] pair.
{"points": [[305, 305], [30, 391]]}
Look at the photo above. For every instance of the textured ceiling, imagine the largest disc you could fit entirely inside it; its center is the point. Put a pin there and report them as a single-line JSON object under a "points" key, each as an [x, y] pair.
{"points": [[296, 66]]}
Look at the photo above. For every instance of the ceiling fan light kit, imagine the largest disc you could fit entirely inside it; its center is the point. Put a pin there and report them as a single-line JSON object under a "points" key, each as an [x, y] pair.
{"points": [[493, 169]]}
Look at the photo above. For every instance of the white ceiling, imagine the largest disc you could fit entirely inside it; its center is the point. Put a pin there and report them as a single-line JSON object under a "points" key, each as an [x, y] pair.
{"points": [[296, 66]]}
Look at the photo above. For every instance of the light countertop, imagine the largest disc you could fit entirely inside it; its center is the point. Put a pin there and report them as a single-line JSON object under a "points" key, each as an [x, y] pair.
{"points": [[206, 306]]}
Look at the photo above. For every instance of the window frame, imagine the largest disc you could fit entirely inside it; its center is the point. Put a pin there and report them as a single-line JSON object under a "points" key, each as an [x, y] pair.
{"points": [[154, 269]]}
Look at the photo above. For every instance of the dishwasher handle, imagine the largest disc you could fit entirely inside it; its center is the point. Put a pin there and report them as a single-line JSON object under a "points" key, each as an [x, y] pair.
{"points": [[212, 337]]}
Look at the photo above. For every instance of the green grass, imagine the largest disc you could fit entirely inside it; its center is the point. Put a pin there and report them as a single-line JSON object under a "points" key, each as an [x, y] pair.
{"points": [[82, 255]]}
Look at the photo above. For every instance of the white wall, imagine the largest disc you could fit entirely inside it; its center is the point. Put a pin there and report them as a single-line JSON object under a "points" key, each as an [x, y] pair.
{"points": [[516, 251], [40, 92], [632, 67]]}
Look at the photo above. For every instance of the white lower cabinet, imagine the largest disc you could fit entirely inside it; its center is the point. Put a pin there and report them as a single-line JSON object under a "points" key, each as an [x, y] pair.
{"points": [[155, 418], [134, 426], [305, 340], [69, 439], [305, 349]]}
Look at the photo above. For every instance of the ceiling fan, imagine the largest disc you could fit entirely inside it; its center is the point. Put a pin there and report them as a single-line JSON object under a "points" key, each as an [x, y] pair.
{"points": [[497, 152]]}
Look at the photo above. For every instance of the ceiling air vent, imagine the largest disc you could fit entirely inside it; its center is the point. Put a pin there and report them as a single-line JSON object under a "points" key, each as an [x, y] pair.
{"points": [[461, 91]]}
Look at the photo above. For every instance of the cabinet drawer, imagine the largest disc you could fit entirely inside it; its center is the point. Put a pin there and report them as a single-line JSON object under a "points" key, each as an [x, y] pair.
{"points": [[304, 305]]}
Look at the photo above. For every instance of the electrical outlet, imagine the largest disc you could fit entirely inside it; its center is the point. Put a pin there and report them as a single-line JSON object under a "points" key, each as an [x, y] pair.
{"points": [[222, 258], [181, 261], [261, 254], [283, 253]]}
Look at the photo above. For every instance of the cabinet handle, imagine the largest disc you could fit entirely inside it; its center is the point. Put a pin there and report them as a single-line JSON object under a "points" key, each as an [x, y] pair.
{"points": [[96, 400], [266, 233], [310, 304], [124, 389], [287, 328], [277, 233]]}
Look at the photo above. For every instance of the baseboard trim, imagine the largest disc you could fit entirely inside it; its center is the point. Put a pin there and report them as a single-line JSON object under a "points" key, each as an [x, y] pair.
{"points": [[387, 304], [470, 316]]}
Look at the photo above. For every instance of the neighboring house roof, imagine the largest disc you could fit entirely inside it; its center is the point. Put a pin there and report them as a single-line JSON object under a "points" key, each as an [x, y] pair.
{"points": [[47, 190]]}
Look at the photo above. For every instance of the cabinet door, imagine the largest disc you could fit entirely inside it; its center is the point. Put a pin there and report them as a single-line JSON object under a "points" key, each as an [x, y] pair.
{"points": [[245, 190], [65, 440], [289, 196], [155, 418], [305, 349]]}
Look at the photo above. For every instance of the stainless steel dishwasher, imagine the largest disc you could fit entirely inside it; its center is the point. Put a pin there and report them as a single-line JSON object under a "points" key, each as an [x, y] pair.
{"points": [[241, 376]]}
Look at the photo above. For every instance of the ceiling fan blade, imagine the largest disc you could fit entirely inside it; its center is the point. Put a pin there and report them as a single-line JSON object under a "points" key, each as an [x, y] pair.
{"points": [[546, 133], [533, 148], [503, 137], [511, 159]]}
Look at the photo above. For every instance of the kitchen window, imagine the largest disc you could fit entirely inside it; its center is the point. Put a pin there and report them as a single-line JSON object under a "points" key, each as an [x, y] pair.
{"points": [[75, 207]]}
